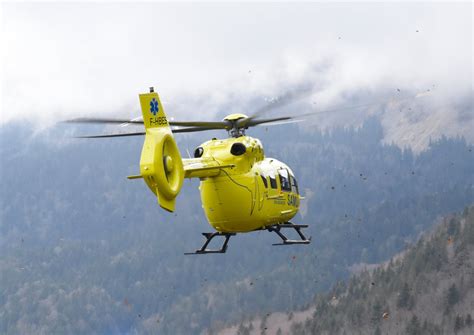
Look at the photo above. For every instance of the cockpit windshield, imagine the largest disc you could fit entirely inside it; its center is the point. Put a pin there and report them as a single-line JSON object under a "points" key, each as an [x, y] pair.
{"points": [[284, 180], [294, 185]]}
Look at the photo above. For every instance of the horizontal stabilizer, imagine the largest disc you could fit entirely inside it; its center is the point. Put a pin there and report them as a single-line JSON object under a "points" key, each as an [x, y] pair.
{"points": [[135, 177], [203, 167]]}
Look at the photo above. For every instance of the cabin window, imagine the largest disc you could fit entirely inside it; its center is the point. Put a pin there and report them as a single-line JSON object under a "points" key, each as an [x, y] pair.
{"points": [[264, 179], [238, 149], [273, 182], [284, 180], [294, 185], [198, 152]]}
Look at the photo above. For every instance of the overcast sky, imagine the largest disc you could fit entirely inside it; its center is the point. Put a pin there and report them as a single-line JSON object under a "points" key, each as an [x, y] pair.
{"points": [[66, 60]]}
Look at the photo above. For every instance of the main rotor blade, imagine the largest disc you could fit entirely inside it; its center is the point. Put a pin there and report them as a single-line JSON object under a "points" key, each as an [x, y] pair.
{"points": [[178, 130], [276, 123], [192, 129], [333, 110], [102, 120], [206, 124], [304, 91], [284, 100], [255, 122], [112, 135]]}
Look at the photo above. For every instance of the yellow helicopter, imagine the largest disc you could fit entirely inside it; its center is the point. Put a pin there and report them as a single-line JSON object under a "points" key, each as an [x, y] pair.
{"points": [[241, 190]]}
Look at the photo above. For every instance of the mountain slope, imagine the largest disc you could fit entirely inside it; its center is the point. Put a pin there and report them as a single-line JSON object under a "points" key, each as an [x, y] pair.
{"points": [[427, 289], [83, 250]]}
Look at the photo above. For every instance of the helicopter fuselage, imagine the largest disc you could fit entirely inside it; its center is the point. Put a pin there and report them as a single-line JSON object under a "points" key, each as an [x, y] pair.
{"points": [[241, 190], [256, 192]]}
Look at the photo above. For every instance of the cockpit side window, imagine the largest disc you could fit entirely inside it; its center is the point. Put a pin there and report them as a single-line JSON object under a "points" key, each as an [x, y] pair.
{"points": [[264, 179], [284, 180], [294, 185], [273, 182]]}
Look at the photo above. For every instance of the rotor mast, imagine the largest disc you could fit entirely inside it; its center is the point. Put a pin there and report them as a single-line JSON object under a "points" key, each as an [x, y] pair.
{"points": [[236, 128]]}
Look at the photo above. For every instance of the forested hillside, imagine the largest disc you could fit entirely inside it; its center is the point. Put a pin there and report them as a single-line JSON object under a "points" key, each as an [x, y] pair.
{"points": [[426, 289], [85, 251], [429, 289]]}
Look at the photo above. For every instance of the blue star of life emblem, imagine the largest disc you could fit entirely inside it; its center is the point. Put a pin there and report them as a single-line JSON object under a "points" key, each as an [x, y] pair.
{"points": [[154, 106]]}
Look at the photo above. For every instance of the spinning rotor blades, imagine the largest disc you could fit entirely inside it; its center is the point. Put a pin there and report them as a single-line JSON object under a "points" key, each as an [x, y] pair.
{"points": [[240, 123], [183, 127], [194, 126], [140, 133], [197, 124], [113, 135]]}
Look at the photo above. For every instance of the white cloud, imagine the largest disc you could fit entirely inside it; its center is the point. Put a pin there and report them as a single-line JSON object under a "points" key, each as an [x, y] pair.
{"points": [[67, 60]]}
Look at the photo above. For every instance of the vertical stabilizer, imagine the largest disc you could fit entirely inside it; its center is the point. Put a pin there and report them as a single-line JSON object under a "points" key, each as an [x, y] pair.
{"points": [[160, 164]]}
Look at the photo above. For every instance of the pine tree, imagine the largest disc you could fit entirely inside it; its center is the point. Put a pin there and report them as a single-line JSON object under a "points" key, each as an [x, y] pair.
{"points": [[413, 327], [424, 329], [376, 313], [468, 321], [452, 296], [405, 300], [263, 325], [242, 330], [290, 316], [458, 324], [453, 227], [465, 212]]}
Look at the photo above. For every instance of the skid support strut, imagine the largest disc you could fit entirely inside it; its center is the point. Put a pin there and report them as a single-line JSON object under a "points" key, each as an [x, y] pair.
{"points": [[297, 227], [209, 237]]}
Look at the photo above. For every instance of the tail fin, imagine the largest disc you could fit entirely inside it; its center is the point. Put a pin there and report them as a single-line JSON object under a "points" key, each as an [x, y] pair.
{"points": [[152, 110], [160, 164]]}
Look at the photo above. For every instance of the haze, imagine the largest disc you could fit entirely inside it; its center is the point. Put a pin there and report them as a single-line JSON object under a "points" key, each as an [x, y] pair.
{"points": [[67, 59]]}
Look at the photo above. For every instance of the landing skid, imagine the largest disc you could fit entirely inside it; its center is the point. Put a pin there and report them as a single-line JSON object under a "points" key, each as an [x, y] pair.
{"points": [[209, 237], [274, 228], [297, 227]]}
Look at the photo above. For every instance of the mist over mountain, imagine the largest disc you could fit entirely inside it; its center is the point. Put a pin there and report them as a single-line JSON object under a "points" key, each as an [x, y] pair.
{"points": [[236, 50], [412, 113], [84, 250]]}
